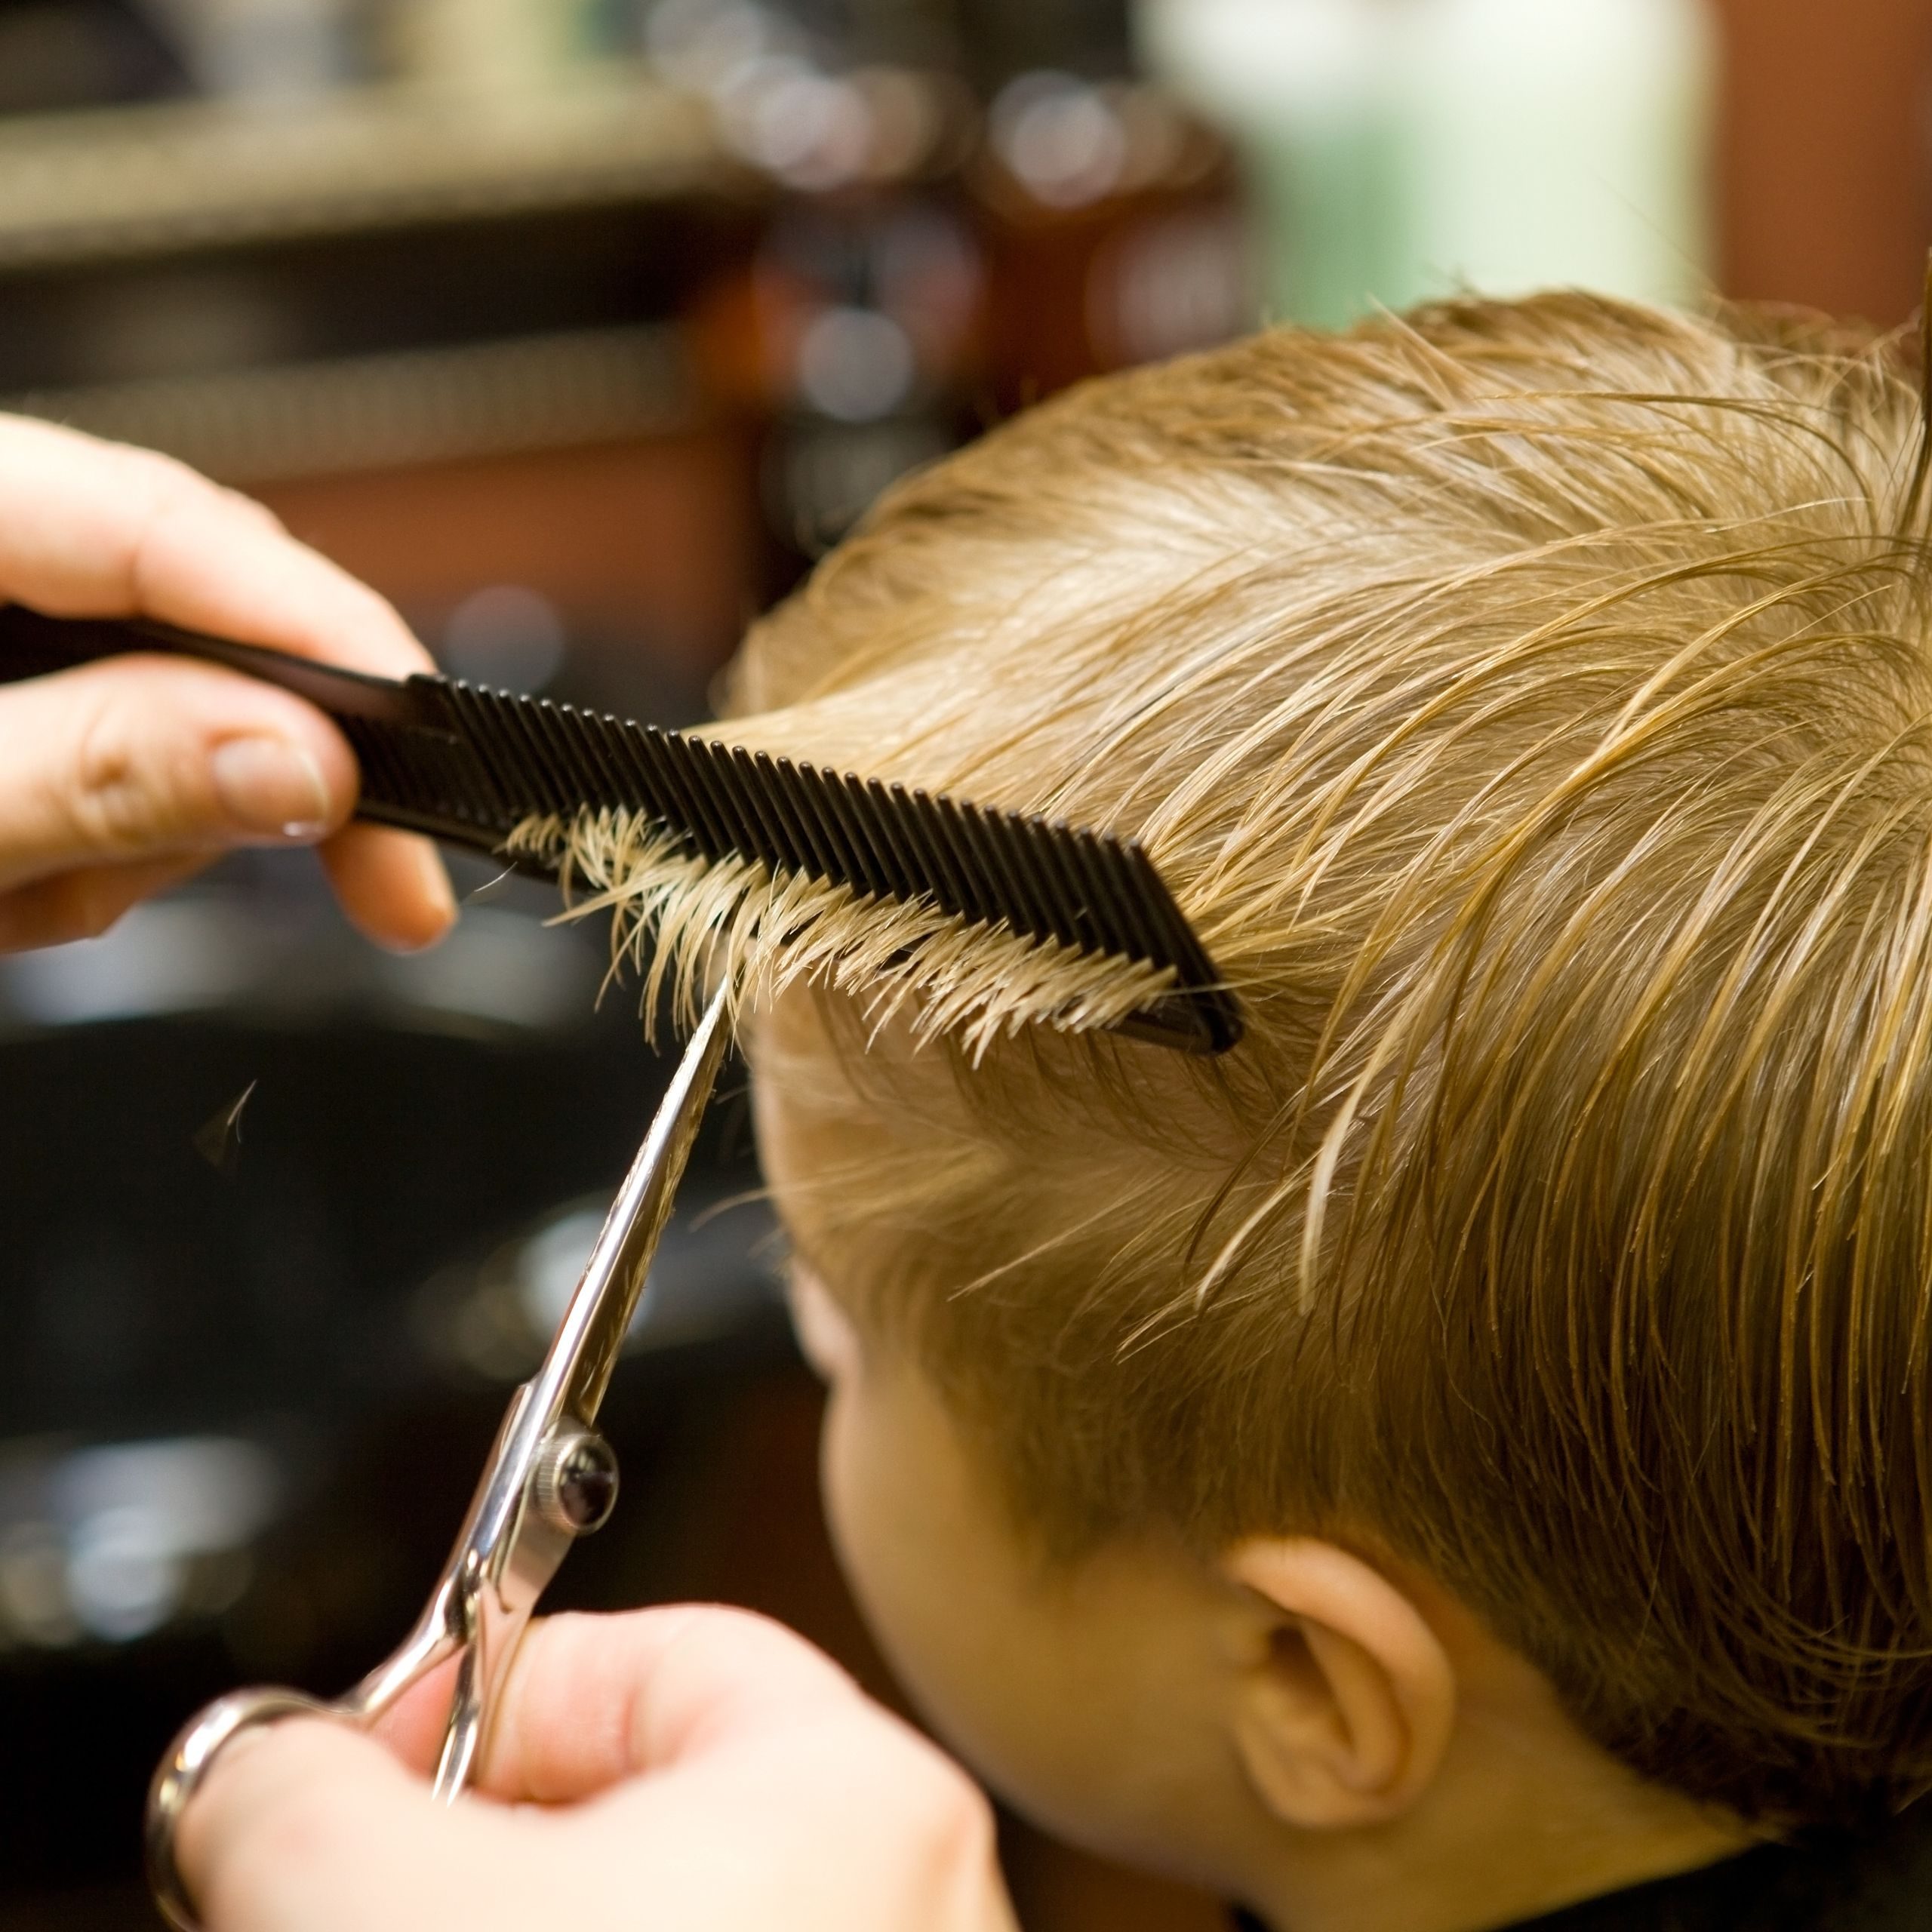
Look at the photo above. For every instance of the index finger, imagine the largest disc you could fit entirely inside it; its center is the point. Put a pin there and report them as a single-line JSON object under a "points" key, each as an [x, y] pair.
{"points": [[90, 528]]}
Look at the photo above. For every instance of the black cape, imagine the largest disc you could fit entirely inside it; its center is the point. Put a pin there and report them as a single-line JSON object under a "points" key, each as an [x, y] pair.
{"points": [[1880, 1884]]}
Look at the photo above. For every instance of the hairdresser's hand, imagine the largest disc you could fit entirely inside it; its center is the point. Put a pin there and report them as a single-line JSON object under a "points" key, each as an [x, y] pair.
{"points": [[118, 778], [670, 1770]]}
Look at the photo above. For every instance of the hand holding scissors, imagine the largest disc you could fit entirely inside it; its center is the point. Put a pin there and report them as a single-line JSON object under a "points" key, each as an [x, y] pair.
{"points": [[550, 1479], [687, 1768]]}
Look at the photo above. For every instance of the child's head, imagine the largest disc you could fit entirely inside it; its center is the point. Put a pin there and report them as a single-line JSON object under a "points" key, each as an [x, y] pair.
{"points": [[1530, 706]]}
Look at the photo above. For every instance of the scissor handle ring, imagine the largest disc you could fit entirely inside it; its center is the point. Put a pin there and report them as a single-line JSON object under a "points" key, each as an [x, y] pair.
{"points": [[188, 1760]]}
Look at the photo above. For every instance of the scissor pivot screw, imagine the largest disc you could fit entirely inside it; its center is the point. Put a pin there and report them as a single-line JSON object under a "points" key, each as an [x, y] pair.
{"points": [[577, 1482]]}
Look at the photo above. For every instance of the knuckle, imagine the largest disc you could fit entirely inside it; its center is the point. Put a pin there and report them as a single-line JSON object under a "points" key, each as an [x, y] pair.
{"points": [[950, 1821], [280, 1822], [166, 479], [938, 1808], [953, 1811], [286, 1850], [729, 1638], [165, 491], [160, 487], [254, 510], [111, 804], [378, 618], [728, 1621]]}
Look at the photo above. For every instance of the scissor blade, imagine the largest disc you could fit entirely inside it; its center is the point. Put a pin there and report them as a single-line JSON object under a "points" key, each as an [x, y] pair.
{"points": [[576, 1372]]}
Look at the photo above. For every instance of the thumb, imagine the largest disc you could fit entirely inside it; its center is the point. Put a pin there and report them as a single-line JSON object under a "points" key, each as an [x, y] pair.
{"points": [[144, 758], [311, 1826]]}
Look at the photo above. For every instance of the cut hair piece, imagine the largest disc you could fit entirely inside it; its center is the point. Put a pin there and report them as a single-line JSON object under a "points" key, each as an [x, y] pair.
{"points": [[689, 921]]}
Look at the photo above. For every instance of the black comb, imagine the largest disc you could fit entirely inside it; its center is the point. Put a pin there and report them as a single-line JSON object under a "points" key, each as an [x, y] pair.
{"points": [[469, 764]]}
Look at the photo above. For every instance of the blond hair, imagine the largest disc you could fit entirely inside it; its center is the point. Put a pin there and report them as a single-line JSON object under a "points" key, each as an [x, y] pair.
{"points": [[1530, 705]]}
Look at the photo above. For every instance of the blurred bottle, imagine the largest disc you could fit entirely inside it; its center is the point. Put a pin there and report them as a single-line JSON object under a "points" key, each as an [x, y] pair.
{"points": [[1559, 144], [926, 264], [56, 54], [847, 340], [271, 50], [1112, 230], [1000, 40], [1398, 148], [512, 45], [1306, 88]]}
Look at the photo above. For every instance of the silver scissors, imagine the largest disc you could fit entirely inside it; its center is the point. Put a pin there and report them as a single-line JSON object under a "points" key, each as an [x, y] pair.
{"points": [[550, 1479]]}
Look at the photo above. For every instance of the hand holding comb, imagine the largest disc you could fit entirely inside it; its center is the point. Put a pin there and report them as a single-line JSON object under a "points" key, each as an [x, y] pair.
{"points": [[472, 765]]}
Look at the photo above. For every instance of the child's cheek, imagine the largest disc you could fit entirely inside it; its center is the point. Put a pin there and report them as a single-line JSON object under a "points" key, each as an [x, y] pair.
{"points": [[936, 1590]]}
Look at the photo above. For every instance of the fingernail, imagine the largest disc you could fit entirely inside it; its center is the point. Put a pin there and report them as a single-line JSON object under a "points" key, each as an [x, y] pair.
{"points": [[269, 786]]}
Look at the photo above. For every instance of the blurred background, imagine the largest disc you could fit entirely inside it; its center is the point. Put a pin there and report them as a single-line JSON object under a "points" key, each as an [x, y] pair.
{"points": [[580, 327]]}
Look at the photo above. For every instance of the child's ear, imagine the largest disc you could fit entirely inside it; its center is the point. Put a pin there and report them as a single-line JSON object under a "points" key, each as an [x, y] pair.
{"points": [[1345, 1705]]}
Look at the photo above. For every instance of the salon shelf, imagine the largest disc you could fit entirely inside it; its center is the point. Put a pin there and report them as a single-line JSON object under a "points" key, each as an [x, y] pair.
{"points": [[564, 388], [130, 184]]}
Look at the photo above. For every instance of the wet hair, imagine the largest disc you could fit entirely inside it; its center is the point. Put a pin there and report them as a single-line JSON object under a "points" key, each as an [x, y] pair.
{"points": [[1530, 705]]}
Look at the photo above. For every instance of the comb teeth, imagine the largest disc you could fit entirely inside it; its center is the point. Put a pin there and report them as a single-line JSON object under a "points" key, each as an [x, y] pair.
{"points": [[473, 765], [503, 761]]}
